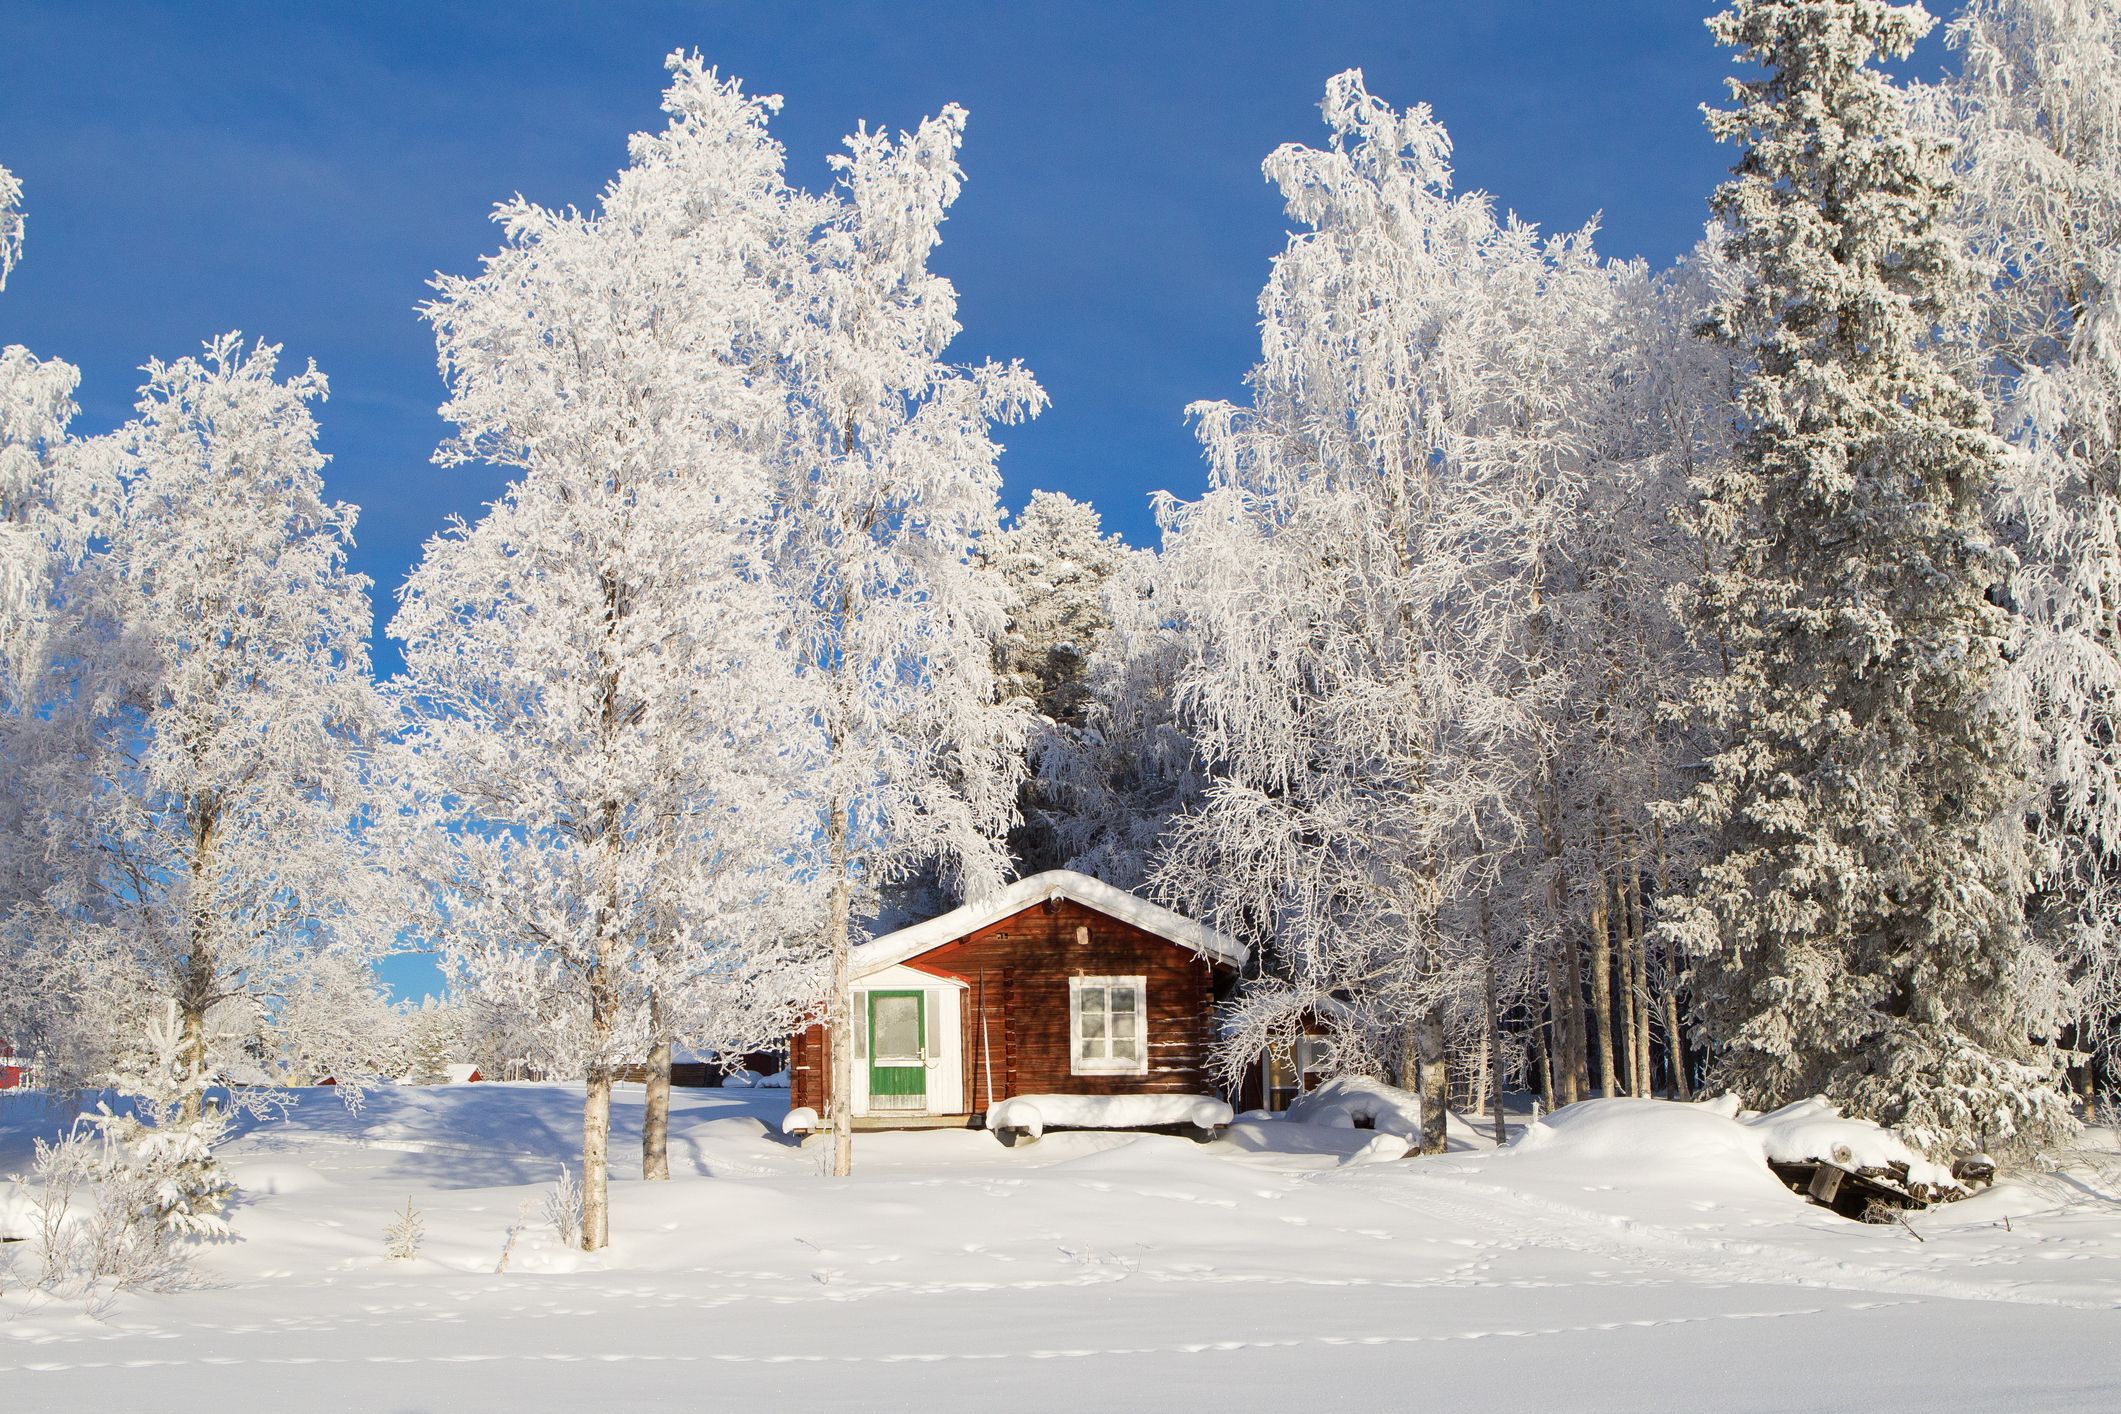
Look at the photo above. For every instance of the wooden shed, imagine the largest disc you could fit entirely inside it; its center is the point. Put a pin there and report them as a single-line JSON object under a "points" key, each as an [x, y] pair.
{"points": [[1058, 984]]}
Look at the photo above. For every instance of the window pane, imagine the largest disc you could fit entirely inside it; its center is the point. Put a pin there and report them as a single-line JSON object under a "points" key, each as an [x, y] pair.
{"points": [[1123, 1024], [1093, 1025], [1123, 999], [1126, 1049], [1090, 999], [898, 1027]]}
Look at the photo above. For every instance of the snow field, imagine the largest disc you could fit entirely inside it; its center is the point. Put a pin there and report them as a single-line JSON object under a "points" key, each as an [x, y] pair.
{"points": [[1627, 1255]]}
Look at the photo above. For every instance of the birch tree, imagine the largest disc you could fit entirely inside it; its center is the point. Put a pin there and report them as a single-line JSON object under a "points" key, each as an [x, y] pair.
{"points": [[1362, 576], [208, 829], [11, 223], [46, 494], [2034, 114], [1858, 928], [888, 484], [600, 666]]}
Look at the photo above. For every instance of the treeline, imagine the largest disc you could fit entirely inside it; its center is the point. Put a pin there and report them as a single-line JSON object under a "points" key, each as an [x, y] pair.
{"points": [[1576, 676], [1603, 680]]}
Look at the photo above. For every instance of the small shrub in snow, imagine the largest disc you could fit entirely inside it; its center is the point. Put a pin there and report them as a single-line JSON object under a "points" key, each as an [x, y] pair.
{"points": [[563, 1208], [401, 1240], [94, 1225], [163, 1143]]}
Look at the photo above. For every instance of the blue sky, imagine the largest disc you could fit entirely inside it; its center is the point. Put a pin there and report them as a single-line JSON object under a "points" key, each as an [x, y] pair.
{"points": [[298, 171]]}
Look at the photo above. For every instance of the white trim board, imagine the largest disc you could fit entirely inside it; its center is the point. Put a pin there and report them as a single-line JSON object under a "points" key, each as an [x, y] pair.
{"points": [[1129, 908]]}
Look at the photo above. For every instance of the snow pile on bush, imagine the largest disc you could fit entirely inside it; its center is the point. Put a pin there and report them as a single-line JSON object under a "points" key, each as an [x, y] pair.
{"points": [[1032, 1115], [1358, 1102]]}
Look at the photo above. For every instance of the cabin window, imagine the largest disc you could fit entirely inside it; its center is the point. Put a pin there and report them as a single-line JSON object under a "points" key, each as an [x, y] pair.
{"points": [[1108, 1024]]}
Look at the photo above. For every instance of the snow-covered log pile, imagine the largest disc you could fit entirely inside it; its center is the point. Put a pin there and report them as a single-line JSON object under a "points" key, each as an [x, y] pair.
{"points": [[1799, 1139], [1862, 1162], [1032, 1115]]}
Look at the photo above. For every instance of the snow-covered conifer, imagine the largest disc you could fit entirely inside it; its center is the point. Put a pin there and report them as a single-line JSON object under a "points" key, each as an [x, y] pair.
{"points": [[1111, 786], [1056, 561], [1858, 928]]}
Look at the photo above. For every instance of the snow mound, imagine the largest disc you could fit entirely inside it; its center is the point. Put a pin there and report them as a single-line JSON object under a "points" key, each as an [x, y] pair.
{"points": [[800, 1120], [1815, 1130], [1647, 1136], [1032, 1114], [752, 1080], [1358, 1102], [1384, 1147]]}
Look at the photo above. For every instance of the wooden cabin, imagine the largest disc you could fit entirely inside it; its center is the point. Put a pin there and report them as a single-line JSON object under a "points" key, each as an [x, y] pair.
{"points": [[1056, 985]]}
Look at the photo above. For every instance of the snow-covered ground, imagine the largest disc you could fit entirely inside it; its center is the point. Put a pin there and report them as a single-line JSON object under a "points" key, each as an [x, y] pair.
{"points": [[1630, 1257]]}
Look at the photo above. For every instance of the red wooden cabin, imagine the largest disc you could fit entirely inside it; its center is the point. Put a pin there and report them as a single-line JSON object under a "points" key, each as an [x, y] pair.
{"points": [[1057, 985]]}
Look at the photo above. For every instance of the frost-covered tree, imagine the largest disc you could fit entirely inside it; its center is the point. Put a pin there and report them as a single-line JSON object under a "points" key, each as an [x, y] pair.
{"points": [[1056, 562], [600, 666], [1364, 577], [888, 485], [1857, 929], [1112, 785], [11, 223], [45, 494], [2035, 116], [207, 825]]}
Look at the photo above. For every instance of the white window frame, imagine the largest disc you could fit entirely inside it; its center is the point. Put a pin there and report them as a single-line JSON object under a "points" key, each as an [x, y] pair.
{"points": [[1077, 1063]]}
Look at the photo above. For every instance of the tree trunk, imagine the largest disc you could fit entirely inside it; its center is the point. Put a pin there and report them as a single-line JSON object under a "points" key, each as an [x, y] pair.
{"points": [[1542, 1058], [1639, 946], [1563, 1082], [1602, 985], [655, 1113], [1624, 956], [1579, 1055], [596, 1157], [197, 990], [1494, 1018], [1675, 1050], [1674, 1030], [596, 1102], [1429, 1040], [839, 1017]]}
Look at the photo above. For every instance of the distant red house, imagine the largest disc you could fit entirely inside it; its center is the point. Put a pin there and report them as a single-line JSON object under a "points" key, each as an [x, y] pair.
{"points": [[1056, 985], [14, 1069]]}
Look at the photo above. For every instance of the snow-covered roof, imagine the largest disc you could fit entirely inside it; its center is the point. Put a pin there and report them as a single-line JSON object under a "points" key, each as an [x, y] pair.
{"points": [[1054, 883]]}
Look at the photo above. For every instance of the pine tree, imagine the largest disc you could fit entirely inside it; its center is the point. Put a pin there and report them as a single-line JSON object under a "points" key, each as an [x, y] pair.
{"points": [[1056, 562], [1858, 929]]}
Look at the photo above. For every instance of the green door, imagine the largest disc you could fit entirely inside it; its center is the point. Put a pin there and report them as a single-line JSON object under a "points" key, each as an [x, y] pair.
{"points": [[898, 1051]]}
